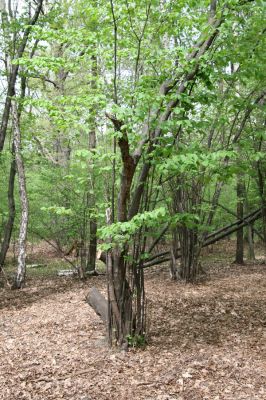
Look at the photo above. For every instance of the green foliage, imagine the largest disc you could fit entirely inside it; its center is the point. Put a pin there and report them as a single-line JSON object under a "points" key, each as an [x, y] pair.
{"points": [[138, 341], [70, 80]]}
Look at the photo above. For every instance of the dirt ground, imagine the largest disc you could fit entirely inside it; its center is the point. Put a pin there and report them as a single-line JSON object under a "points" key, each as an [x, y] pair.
{"points": [[206, 341]]}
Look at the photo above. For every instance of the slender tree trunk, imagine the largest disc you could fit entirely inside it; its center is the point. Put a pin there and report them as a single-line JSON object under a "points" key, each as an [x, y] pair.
{"points": [[249, 231], [11, 213], [240, 191], [251, 249], [189, 263], [21, 267], [91, 262], [261, 186]]}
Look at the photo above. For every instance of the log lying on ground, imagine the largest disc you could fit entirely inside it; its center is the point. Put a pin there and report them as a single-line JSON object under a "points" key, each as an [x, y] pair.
{"points": [[66, 272], [98, 302]]}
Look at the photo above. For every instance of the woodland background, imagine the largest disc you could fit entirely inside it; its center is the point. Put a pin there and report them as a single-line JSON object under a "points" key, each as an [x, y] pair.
{"points": [[132, 140]]}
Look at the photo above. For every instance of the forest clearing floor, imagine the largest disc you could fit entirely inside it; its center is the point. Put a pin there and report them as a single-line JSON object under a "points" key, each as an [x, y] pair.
{"points": [[206, 341]]}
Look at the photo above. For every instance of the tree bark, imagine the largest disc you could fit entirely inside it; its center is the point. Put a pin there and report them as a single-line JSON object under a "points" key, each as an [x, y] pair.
{"points": [[262, 192], [251, 251], [240, 191], [21, 267], [92, 251], [11, 213]]}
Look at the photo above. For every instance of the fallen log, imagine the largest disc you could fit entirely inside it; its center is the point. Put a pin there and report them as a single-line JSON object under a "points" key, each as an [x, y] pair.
{"points": [[99, 303], [66, 272]]}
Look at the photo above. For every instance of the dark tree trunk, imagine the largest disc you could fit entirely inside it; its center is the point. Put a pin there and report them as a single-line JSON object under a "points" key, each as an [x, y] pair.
{"points": [[189, 262], [174, 256], [240, 191], [11, 216], [120, 296], [261, 186], [92, 250], [91, 262]]}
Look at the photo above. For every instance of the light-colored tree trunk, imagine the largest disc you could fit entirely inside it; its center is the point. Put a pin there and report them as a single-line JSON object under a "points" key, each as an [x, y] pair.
{"points": [[21, 266]]}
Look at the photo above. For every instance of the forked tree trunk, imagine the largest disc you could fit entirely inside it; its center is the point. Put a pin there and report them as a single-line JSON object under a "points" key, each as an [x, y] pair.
{"points": [[21, 266]]}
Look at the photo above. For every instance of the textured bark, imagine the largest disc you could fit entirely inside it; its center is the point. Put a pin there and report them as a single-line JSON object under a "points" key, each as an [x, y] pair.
{"points": [[21, 266], [11, 214], [11, 200]]}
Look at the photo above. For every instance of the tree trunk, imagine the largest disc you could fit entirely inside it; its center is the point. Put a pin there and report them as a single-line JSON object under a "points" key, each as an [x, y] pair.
{"points": [[126, 296], [251, 250], [91, 262], [11, 216], [189, 254], [174, 256], [261, 186], [240, 191], [21, 267]]}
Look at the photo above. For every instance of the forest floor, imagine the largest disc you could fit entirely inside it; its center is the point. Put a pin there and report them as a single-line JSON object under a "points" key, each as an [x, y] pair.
{"points": [[206, 341]]}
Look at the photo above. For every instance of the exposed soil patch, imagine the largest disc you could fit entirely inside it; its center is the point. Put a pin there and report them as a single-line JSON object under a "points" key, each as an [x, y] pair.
{"points": [[206, 341]]}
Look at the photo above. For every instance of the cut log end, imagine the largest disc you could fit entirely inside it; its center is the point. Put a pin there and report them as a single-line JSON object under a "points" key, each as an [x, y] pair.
{"points": [[98, 302]]}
